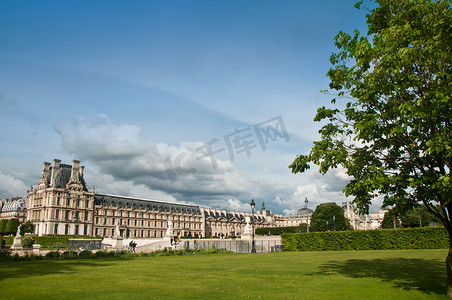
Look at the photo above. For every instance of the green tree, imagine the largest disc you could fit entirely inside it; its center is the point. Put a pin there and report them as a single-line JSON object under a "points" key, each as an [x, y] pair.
{"points": [[392, 134], [329, 216], [11, 226], [3, 223], [389, 219], [303, 227], [27, 227]]}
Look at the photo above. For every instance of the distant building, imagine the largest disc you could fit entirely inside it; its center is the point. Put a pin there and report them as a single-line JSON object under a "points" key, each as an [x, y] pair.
{"points": [[62, 204], [362, 222], [14, 208]]}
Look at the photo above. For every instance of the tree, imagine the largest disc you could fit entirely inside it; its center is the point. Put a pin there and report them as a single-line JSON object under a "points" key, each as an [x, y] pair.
{"points": [[27, 227], [3, 223], [303, 227], [11, 226], [329, 216], [389, 219], [392, 134]]}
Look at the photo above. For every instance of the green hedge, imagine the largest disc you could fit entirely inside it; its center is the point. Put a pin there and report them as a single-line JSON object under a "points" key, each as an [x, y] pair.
{"points": [[277, 230], [48, 242], [6, 254], [381, 239]]}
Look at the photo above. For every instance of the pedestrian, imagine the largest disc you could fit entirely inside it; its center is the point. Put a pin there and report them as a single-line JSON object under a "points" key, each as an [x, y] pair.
{"points": [[130, 245], [3, 243]]}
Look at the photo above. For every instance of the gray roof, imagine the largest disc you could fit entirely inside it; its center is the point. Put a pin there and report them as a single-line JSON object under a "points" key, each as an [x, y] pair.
{"points": [[64, 176], [136, 203]]}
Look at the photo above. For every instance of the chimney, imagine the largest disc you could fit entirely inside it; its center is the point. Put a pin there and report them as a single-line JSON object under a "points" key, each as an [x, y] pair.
{"points": [[45, 169], [75, 170], [82, 168], [55, 170]]}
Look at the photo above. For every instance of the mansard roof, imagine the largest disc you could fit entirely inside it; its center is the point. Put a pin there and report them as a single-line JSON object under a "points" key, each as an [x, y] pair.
{"points": [[13, 205], [64, 176], [145, 204]]}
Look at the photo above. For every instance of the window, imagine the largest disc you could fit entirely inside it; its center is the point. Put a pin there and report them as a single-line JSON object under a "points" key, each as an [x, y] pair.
{"points": [[55, 229], [85, 230], [112, 232], [97, 231], [67, 215], [68, 202], [77, 217], [113, 221], [87, 204], [58, 201], [97, 220], [57, 212], [76, 230], [78, 202], [66, 229], [86, 216]]}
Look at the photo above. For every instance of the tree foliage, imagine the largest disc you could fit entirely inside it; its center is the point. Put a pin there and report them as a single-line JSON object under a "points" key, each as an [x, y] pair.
{"points": [[27, 227], [389, 219], [11, 226], [329, 217], [3, 223], [393, 133], [416, 217]]}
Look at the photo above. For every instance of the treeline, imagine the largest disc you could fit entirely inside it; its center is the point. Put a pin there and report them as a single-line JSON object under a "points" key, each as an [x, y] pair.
{"points": [[9, 227]]}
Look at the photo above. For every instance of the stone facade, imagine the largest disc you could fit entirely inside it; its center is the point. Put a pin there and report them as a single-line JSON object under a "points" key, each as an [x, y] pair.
{"points": [[13, 208], [61, 204], [362, 222]]}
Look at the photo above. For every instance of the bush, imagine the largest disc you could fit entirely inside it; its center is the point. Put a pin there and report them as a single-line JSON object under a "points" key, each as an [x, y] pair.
{"points": [[5, 255], [104, 254], [277, 230], [381, 239], [68, 255], [52, 255], [27, 242], [86, 254]]}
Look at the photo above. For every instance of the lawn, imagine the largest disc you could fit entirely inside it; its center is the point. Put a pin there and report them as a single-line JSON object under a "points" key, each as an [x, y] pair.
{"points": [[390, 274]]}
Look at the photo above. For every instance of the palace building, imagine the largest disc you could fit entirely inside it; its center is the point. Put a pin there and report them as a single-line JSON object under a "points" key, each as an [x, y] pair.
{"points": [[62, 204]]}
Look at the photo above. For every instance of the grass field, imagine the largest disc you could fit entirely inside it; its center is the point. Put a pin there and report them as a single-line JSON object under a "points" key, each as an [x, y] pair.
{"points": [[391, 274]]}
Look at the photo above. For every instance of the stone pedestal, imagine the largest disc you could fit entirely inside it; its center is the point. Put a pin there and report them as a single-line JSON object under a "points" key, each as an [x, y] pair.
{"points": [[117, 242], [17, 243], [36, 249], [247, 231]]}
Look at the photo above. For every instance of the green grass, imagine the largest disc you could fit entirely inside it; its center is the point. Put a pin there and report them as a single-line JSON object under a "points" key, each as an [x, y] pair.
{"points": [[390, 274]]}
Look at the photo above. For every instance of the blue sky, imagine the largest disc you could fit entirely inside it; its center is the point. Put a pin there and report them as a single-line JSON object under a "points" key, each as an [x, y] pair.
{"points": [[137, 90]]}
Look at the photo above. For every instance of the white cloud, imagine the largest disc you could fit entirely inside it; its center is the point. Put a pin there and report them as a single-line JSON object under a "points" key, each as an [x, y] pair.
{"points": [[11, 187], [237, 205], [132, 165]]}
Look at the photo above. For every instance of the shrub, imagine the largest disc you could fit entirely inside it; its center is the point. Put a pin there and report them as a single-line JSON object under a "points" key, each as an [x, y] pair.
{"points": [[277, 230], [52, 255], [381, 239], [5, 255], [104, 254], [68, 255], [86, 254], [27, 242]]}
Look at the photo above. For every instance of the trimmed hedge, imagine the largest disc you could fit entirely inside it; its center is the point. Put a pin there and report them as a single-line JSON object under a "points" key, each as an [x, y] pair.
{"points": [[277, 230], [380, 239], [5, 254]]}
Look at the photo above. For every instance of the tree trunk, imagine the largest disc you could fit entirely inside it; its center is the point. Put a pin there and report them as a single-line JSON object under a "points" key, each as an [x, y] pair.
{"points": [[449, 271]]}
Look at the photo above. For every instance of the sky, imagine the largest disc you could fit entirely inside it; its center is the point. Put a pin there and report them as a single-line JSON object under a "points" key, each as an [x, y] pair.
{"points": [[200, 102]]}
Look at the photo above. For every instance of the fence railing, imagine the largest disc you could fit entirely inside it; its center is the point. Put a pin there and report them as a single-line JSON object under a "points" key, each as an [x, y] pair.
{"points": [[237, 246]]}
